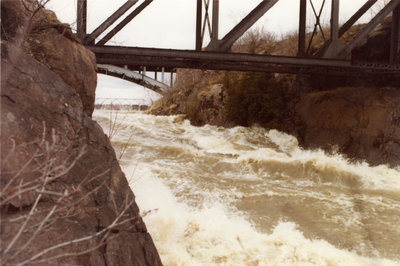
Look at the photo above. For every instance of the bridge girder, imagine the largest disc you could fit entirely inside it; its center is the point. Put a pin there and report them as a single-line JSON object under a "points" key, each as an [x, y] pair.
{"points": [[333, 58], [135, 57]]}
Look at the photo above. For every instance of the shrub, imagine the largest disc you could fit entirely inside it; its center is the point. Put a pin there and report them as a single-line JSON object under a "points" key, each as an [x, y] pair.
{"points": [[254, 98], [192, 106]]}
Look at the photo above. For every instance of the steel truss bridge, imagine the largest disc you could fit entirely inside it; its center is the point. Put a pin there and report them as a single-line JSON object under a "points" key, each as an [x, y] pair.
{"points": [[333, 58]]}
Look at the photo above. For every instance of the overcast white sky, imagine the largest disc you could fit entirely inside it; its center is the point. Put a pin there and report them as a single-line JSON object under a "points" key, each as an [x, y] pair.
{"points": [[171, 24]]}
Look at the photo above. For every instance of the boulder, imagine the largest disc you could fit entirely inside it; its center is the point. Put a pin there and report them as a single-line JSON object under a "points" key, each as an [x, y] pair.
{"points": [[53, 44], [64, 199]]}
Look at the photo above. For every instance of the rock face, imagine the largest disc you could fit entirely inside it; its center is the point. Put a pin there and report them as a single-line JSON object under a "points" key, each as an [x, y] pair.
{"points": [[363, 123], [63, 198], [54, 45], [198, 94]]}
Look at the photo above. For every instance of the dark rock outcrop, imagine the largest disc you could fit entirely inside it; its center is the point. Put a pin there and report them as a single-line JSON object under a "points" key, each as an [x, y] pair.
{"points": [[63, 198], [363, 123]]}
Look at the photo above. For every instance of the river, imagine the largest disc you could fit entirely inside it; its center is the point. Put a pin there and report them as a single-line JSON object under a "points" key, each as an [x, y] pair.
{"points": [[250, 196]]}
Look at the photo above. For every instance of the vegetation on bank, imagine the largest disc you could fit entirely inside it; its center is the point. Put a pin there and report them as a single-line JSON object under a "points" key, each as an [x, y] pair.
{"points": [[242, 98], [263, 98], [254, 98]]}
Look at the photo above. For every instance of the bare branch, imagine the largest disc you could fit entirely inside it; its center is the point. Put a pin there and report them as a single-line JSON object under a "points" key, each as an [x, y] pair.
{"points": [[37, 230], [17, 236], [86, 238]]}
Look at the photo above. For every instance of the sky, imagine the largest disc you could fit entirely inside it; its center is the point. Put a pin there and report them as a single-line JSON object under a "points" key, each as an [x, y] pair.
{"points": [[171, 23]]}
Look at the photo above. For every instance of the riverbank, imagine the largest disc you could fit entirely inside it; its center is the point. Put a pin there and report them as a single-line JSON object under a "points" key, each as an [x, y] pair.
{"points": [[358, 117]]}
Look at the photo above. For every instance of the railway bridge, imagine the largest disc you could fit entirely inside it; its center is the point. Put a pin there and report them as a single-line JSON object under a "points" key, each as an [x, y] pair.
{"points": [[333, 58]]}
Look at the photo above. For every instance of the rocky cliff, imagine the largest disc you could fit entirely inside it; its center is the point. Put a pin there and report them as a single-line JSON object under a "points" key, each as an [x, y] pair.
{"points": [[362, 122], [63, 198], [357, 117]]}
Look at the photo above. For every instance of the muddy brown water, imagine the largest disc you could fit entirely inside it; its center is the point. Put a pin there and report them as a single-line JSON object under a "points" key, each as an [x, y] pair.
{"points": [[250, 196]]}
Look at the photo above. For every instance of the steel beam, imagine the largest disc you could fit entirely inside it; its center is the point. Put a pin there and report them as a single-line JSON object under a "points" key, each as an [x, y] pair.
{"points": [[302, 28], [206, 21], [199, 17], [130, 75], [153, 63], [317, 24], [349, 23], [346, 51], [394, 39], [81, 22], [109, 21], [230, 38], [170, 54], [123, 23], [335, 21], [332, 49], [170, 66], [215, 21], [317, 21]]}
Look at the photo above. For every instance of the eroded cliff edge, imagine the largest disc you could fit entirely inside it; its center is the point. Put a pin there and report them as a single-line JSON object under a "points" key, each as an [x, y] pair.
{"points": [[64, 198], [358, 117]]}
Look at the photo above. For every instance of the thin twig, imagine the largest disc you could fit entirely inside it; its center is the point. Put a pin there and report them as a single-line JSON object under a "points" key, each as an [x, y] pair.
{"points": [[86, 238], [38, 230], [17, 236]]}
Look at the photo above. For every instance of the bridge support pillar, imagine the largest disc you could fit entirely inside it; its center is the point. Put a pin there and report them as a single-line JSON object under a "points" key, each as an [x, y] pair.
{"points": [[334, 44], [215, 22], [394, 40], [199, 17], [302, 28], [81, 19], [335, 21]]}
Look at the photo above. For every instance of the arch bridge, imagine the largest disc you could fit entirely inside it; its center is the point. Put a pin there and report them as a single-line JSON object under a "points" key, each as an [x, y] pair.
{"points": [[333, 58]]}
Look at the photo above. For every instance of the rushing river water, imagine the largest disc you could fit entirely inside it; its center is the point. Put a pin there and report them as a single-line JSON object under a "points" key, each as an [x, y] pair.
{"points": [[250, 196]]}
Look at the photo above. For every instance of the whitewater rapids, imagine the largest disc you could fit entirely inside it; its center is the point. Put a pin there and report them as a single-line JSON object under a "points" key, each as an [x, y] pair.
{"points": [[250, 196]]}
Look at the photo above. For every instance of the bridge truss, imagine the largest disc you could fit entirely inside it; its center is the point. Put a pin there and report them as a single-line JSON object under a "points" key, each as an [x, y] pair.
{"points": [[334, 58]]}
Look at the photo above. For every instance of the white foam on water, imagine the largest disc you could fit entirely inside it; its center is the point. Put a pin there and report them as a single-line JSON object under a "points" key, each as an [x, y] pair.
{"points": [[214, 144], [377, 177], [287, 143], [216, 235]]}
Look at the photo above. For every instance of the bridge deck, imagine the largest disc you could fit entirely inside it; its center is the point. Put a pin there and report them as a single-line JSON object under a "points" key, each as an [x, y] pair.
{"points": [[132, 76], [135, 58]]}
